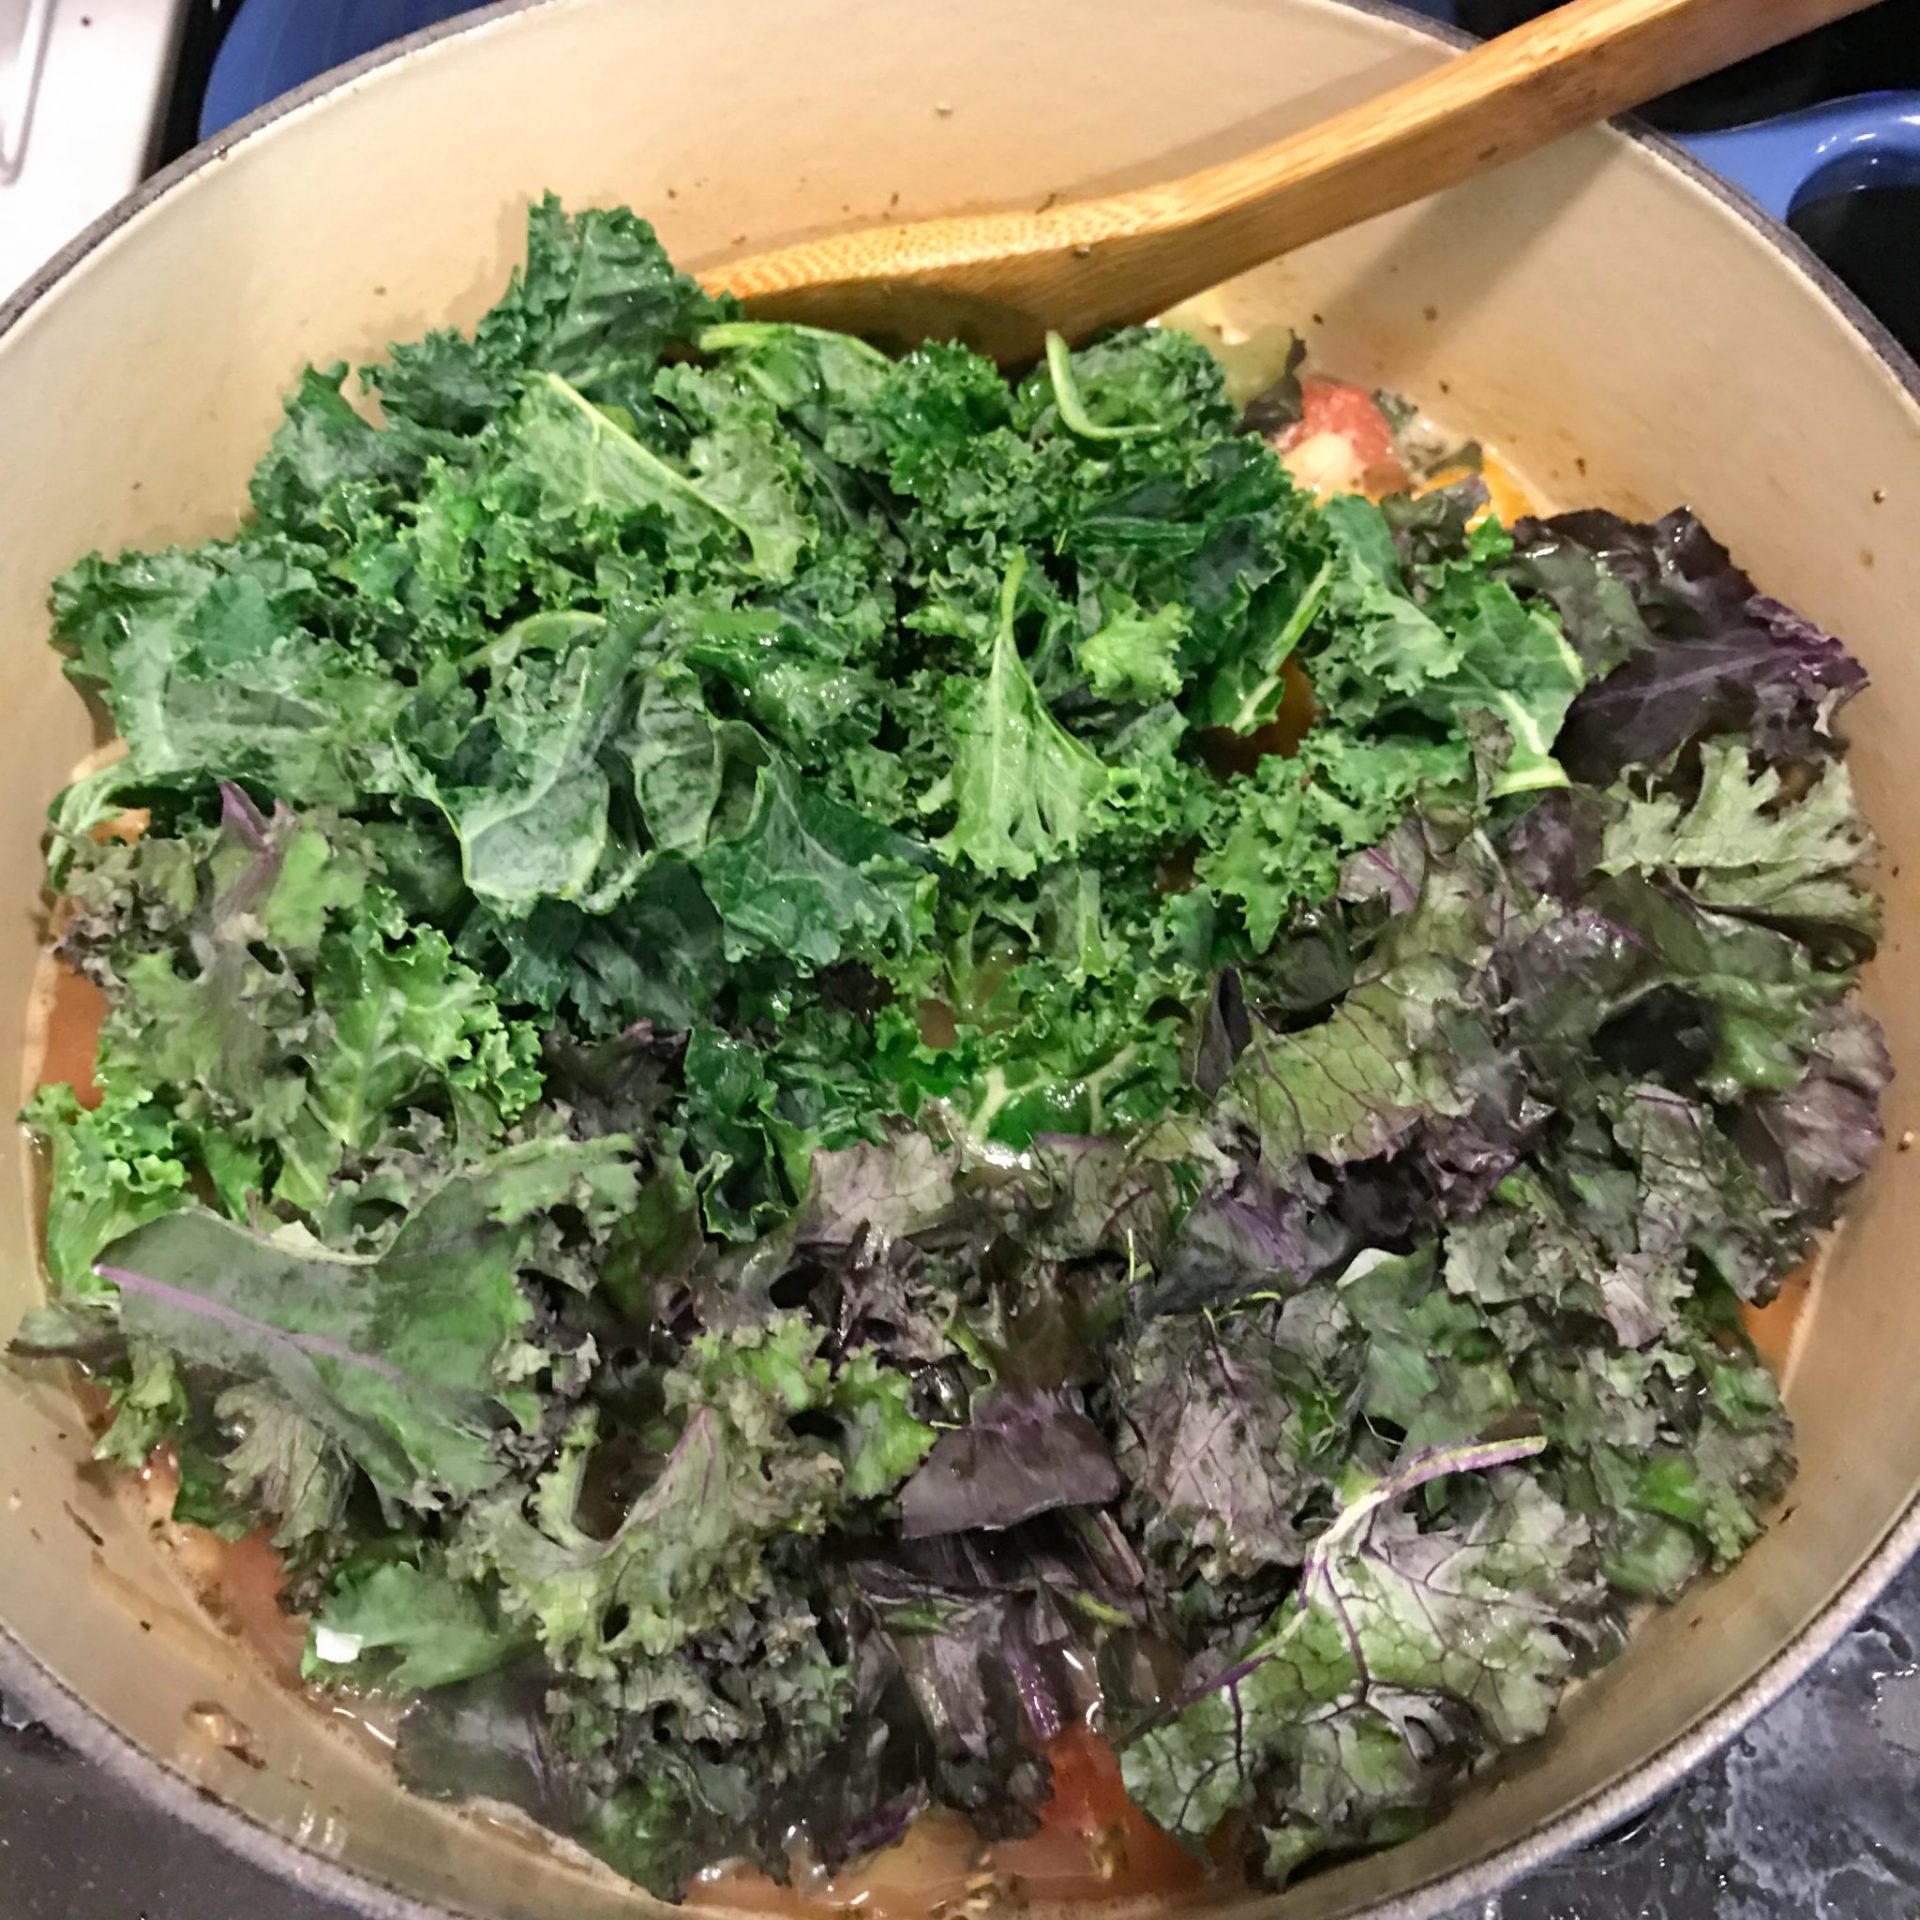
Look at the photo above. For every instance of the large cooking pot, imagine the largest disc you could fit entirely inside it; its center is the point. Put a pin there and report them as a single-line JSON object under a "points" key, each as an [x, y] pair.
{"points": [[1623, 328]]}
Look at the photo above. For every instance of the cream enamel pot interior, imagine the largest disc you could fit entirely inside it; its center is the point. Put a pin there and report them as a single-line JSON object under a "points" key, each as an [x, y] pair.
{"points": [[1623, 330]]}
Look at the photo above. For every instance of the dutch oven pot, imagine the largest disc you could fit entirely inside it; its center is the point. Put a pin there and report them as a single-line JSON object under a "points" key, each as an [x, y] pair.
{"points": [[1625, 330]]}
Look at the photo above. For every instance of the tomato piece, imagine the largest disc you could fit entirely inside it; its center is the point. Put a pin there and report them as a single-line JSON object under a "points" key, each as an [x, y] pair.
{"points": [[1327, 406], [1335, 410]]}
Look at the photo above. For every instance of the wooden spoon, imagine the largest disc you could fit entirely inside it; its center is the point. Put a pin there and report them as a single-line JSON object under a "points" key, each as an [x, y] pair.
{"points": [[1000, 281]]}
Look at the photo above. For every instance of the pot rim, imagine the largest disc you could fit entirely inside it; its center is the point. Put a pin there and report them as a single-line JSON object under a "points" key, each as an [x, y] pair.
{"points": [[51, 1701]]}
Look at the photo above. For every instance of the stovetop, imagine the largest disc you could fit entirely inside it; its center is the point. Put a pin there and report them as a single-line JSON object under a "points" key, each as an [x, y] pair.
{"points": [[1813, 1812], [84, 91]]}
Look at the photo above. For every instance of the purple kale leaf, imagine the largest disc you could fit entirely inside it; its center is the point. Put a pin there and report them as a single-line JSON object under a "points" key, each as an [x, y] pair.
{"points": [[891, 1188], [1812, 1140], [1405, 1652], [1407, 1043], [1251, 1234], [1706, 652], [1224, 1438], [405, 1360], [1025, 1453], [996, 1637]]}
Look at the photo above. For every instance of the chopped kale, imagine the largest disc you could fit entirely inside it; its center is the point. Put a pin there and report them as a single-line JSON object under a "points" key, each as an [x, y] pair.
{"points": [[755, 1098]]}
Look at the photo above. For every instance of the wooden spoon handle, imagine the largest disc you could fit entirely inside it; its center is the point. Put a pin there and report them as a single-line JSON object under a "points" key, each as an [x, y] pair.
{"points": [[1001, 279]]}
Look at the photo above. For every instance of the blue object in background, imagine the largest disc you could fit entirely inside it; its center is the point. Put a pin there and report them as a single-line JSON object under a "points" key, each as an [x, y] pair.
{"points": [[276, 45], [1843, 146], [1840, 147]]}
